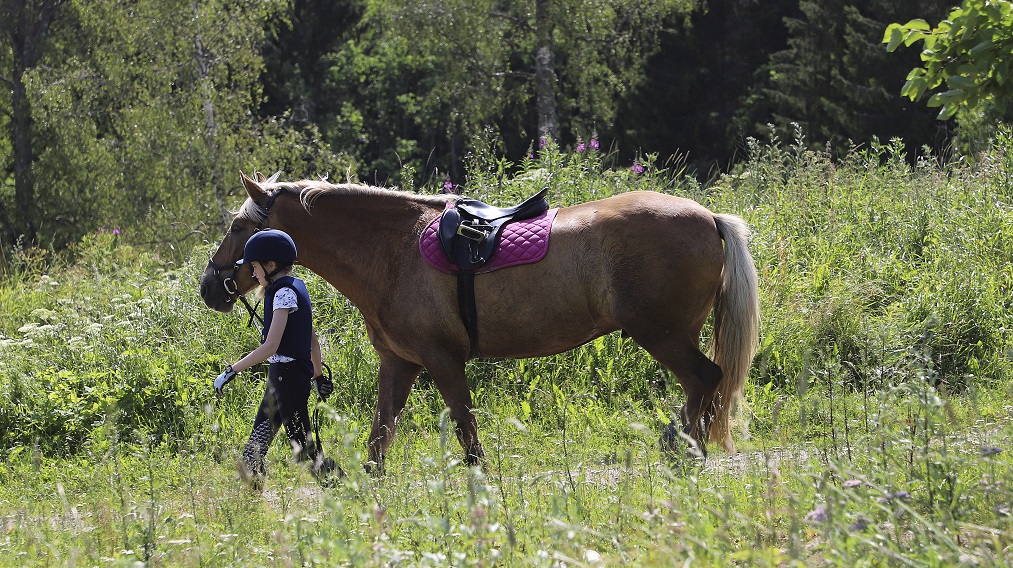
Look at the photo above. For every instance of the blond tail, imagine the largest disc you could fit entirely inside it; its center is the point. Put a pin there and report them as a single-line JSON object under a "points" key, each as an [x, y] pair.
{"points": [[736, 325]]}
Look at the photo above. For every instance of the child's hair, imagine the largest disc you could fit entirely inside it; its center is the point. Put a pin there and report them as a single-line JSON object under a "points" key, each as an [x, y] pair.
{"points": [[279, 272], [281, 269]]}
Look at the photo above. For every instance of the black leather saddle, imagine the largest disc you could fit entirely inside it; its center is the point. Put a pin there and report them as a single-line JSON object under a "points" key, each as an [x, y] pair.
{"points": [[469, 232]]}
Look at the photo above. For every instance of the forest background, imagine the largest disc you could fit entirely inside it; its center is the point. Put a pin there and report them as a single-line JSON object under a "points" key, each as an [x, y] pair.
{"points": [[136, 115], [877, 429]]}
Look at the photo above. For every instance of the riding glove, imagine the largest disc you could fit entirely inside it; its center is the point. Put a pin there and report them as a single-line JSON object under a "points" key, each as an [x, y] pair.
{"points": [[223, 379], [324, 386]]}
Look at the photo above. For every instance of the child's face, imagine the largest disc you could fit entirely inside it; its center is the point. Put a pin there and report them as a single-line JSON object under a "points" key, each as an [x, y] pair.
{"points": [[260, 271]]}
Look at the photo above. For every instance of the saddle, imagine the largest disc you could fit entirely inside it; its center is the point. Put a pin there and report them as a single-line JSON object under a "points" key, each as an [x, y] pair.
{"points": [[469, 230]]}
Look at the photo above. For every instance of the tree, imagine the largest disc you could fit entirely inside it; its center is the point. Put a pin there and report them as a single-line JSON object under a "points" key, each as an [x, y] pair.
{"points": [[24, 26], [970, 53], [144, 111], [295, 57], [691, 102], [455, 69], [834, 79]]}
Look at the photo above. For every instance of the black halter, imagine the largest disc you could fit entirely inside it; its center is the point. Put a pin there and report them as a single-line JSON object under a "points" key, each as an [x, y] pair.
{"points": [[228, 281]]}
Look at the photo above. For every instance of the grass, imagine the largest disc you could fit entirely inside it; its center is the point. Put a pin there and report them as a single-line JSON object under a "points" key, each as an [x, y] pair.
{"points": [[877, 432]]}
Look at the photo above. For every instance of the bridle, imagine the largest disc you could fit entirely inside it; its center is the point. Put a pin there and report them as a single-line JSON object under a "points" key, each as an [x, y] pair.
{"points": [[228, 283], [227, 280]]}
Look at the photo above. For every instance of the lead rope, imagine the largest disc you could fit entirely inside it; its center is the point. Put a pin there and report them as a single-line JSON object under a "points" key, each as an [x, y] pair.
{"points": [[316, 410], [253, 312]]}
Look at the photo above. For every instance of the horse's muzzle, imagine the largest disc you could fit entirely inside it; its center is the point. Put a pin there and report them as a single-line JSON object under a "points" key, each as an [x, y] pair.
{"points": [[214, 294]]}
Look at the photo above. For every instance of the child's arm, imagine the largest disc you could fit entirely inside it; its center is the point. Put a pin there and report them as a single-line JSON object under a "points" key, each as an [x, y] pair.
{"points": [[315, 356], [270, 345]]}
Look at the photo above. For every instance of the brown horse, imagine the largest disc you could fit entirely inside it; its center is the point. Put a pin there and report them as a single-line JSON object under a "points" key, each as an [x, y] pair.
{"points": [[650, 264]]}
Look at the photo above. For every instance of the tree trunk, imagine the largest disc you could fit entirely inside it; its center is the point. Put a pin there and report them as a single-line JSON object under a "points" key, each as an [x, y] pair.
{"points": [[545, 74], [204, 63], [25, 26], [24, 222]]}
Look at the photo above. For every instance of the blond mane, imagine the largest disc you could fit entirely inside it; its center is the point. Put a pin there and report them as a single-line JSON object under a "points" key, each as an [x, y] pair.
{"points": [[309, 191]]}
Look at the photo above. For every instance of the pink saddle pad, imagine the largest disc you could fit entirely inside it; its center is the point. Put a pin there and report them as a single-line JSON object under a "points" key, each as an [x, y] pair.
{"points": [[521, 242]]}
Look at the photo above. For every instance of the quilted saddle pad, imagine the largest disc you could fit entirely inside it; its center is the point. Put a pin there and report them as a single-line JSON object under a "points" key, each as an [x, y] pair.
{"points": [[521, 242]]}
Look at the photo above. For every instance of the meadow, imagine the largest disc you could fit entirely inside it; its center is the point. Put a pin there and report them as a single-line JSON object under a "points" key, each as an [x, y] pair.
{"points": [[876, 432]]}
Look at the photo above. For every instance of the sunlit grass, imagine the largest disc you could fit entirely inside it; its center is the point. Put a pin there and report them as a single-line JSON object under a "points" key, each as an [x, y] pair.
{"points": [[877, 430]]}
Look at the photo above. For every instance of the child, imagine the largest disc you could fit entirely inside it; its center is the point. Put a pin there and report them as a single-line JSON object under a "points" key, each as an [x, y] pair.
{"points": [[289, 343]]}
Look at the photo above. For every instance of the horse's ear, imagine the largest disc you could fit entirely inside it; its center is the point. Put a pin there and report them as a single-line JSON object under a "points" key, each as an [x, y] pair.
{"points": [[260, 177], [256, 192]]}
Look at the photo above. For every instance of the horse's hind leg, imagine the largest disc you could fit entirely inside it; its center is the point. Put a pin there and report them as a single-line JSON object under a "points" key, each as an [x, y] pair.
{"points": [[699, 377]]}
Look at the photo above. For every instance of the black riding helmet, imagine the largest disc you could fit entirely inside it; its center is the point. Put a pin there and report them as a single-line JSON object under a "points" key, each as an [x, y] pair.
{"points": [[267, 245]]}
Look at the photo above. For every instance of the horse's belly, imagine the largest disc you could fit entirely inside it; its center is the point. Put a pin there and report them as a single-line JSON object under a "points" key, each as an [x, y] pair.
{"points": [[539, 309], [538, 336]]}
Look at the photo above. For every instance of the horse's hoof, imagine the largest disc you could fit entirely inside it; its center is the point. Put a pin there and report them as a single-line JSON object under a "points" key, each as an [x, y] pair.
{"points": [[474, 458], [327, 472], [669, 437], [376, 469], [673, 435]]}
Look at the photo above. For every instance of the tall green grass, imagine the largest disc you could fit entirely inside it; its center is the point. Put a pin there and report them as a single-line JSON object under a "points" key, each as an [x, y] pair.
{"points": [[876, 433]]}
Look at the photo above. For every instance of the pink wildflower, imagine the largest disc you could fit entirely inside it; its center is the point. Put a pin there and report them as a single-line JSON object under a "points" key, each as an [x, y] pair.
{"points": [[817, 515]]}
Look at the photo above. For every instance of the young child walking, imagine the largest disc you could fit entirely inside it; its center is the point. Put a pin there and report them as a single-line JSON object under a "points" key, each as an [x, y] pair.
{"points": [[290, 344]]}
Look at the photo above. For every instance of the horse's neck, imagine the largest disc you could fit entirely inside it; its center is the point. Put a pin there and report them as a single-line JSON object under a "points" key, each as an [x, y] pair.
{"points": [[352, 241]]}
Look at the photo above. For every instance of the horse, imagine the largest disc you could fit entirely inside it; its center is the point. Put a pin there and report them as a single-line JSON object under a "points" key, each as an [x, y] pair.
{"points": [[649, 264]]}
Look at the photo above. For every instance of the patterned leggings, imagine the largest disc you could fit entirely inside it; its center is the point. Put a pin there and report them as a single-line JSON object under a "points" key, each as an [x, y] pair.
{"points": [[284, 403]]}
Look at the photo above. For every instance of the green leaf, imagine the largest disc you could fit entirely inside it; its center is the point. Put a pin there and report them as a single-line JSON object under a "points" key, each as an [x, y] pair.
{"points": [[913, 36], [918, 24], [981, 48], [937, 100], [914, 88], [893, 37], [947, 112], [959, 82]]}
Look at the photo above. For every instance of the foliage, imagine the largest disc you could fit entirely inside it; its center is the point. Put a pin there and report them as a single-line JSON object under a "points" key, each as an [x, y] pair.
{"points": [[897, 295], [425, 78], [149, 144], [146, 129], [969, 52], [877, 432], [849, 96]]}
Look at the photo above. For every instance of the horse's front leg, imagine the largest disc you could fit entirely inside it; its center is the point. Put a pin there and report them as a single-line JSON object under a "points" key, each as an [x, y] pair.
{"points": [[449, 376], [394, 384]]}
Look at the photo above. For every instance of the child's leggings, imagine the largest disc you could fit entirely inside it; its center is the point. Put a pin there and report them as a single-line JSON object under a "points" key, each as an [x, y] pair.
{"points": [[284, 403]]}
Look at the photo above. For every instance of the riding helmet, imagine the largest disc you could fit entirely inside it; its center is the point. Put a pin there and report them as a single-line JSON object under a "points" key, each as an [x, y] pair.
{"points": [[271, 244]]}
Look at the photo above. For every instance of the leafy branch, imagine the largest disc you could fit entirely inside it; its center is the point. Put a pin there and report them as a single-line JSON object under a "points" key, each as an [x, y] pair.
{"points": [[967, 55]]}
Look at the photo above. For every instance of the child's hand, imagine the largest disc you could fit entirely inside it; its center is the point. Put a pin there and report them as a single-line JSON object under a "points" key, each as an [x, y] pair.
{"points": [[223, 379], [324, 386]]}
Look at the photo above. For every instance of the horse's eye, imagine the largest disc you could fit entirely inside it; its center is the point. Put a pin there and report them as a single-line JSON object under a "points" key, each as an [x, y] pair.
{"points": [[236, 228]]}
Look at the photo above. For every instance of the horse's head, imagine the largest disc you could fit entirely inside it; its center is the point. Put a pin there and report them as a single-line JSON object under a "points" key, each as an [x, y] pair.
{"points": [[223, 281]]}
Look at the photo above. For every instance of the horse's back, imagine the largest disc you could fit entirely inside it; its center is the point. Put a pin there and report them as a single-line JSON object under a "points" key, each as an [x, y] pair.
{"points": [[633, 257]]}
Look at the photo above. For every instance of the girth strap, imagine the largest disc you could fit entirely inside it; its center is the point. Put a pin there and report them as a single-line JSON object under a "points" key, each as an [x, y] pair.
{"points": [[466, 305], [469, 233]]}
